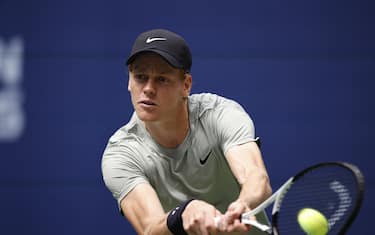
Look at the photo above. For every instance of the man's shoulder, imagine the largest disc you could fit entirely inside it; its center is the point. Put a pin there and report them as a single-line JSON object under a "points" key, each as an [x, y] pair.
{"points": [[127, 132], [126, 142], [207, 98], [203, 102]]}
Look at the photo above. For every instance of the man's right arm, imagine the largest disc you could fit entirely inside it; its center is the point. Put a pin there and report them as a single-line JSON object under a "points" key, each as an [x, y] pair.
{"points": [[143, 210]]}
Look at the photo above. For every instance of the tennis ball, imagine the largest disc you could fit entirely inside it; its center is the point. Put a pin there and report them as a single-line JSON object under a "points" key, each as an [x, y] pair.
{"points": [[312, 221]]}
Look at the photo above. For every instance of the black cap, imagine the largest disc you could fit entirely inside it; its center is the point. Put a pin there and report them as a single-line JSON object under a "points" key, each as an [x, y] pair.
{"points": [[171, 46]]}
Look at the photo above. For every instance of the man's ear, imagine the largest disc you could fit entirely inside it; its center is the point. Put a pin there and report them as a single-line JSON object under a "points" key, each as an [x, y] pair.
{"points": [[187, 84], [130, 69]]}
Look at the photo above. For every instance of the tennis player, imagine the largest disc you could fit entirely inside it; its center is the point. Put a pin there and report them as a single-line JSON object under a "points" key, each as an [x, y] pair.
{"points": [[182, 159]]}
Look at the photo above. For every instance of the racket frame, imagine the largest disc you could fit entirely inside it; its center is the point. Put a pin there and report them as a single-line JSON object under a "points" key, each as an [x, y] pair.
{"points": [[279, 194]]}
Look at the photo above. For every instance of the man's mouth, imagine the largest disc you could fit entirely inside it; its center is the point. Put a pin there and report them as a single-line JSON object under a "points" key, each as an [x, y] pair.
{"points": [[147, 102]]}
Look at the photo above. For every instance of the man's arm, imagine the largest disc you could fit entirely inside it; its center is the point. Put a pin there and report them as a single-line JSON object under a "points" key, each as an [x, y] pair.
{"points": [[143, 210], [247, 166]]}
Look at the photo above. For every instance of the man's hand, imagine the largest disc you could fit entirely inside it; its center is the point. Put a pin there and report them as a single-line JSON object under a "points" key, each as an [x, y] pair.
{"points": [[231, 220], [198, 218]]}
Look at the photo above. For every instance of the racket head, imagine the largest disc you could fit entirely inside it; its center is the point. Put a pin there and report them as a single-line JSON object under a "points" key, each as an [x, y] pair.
{"points": [[335, 189]]}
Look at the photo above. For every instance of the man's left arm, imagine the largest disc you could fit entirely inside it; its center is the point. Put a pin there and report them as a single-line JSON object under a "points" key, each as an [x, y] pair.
{"points": [[248, 168]]}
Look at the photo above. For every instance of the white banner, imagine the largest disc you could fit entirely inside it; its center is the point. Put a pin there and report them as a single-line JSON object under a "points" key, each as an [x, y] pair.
{"points": [[12, 115]]}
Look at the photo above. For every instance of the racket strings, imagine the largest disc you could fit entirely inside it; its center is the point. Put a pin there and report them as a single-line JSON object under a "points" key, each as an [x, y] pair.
{"points": [[332, 190]]}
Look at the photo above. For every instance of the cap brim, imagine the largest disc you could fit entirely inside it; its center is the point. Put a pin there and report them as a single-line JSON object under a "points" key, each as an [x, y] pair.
{"points": [[170, 59]]}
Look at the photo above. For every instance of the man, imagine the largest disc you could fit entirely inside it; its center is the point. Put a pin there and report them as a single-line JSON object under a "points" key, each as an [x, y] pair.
{"points": [[182, 159]]}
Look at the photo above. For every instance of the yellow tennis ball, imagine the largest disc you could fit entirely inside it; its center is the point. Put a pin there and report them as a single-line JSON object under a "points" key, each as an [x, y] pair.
{"points": [[312, 221]]}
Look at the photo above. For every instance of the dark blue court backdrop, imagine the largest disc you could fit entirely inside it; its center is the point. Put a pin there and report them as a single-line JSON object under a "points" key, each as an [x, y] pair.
{"points": [[304, 70]]}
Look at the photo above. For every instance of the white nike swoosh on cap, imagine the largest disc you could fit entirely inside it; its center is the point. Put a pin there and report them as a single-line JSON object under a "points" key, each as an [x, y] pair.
{"points": [[149, 40]]}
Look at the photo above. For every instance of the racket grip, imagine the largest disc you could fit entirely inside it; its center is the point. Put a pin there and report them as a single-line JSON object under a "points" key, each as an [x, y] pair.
{"points": [[262, 227], [216, 221]]}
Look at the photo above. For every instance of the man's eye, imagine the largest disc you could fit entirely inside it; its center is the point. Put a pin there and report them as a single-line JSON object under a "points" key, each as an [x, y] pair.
{"points": [[140, 77], [162, 79]]}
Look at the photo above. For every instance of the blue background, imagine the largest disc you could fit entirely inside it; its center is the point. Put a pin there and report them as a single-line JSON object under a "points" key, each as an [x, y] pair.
{"points": [[304, 70]]}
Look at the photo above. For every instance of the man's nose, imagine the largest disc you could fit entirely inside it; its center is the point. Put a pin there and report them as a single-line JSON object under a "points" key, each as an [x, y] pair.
{"points": [[149, 88]]}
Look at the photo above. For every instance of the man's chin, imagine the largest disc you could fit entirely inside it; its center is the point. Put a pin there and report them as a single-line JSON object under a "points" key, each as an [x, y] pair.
{"points": [[146, 117]]}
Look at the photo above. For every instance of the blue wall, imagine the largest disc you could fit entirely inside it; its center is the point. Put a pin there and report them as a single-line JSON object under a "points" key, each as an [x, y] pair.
{"points": [[303, 69]]}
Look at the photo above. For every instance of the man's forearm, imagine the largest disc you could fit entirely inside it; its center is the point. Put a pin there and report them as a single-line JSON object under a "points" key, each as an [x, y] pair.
{"points": [[158, 227], [247, 166], [255, 188]]}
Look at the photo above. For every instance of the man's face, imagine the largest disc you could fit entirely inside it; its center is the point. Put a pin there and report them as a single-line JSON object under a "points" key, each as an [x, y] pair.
{"points": [[157, 89]]}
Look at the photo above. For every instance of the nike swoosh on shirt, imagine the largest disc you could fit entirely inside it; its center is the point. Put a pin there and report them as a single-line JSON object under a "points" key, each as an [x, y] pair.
{"points": [[150, 40], [205, 159]]}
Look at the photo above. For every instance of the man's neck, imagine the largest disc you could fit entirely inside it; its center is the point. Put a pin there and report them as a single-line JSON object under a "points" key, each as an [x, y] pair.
{"points": [[171, 133]]}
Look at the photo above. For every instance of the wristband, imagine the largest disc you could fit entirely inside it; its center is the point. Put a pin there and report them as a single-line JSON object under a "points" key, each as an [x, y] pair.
{"points": [[174, 220]]}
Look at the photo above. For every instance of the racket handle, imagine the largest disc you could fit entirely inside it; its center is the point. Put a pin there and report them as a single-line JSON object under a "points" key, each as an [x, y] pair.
{"points": [[262, 227], [216, 221]]}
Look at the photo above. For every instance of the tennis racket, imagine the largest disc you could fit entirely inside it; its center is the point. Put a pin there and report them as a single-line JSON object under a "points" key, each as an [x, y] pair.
{"points": [[335, 189]]}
